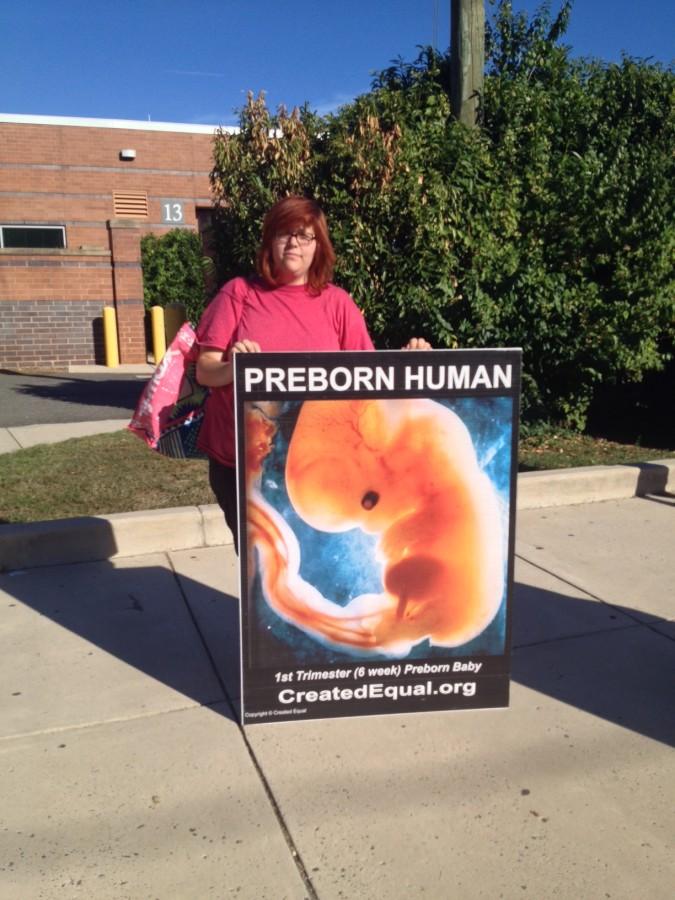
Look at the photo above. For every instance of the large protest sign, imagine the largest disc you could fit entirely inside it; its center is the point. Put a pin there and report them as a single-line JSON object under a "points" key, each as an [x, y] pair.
{"points": [[377, 508]]}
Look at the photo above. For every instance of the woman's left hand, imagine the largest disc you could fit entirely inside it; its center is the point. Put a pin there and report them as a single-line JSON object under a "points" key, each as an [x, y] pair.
{"points": [[417, 344]]}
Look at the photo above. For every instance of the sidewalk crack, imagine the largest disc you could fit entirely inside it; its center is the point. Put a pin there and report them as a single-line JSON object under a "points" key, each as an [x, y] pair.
{"points": [[269, 793], [620, 609]]}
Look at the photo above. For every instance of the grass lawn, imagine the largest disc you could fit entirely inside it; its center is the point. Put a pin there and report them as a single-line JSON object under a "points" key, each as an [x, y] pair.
{"points": [[102, 474], [560, 449], [116, 472]]}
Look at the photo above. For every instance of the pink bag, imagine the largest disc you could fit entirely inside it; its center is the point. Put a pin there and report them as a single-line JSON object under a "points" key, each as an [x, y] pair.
{"points": [[170, 410]]}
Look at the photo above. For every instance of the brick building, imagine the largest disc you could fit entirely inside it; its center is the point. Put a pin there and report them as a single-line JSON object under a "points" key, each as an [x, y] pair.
{"points": [[76, 196]]}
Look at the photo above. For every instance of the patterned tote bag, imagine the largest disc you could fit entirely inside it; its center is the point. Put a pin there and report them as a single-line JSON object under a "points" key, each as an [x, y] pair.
{"points": [[170, 410]]}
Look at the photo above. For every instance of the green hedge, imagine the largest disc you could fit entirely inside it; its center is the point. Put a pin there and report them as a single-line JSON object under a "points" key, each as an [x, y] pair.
{"points": [[174, 271], [548, 227]]}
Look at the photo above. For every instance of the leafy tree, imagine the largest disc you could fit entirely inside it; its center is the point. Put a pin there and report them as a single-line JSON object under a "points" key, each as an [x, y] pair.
{"points": [[270, 157], [549, 227], [585, 146]]}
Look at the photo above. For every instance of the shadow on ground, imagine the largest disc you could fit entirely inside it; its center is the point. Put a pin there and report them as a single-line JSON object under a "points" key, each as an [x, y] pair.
{"points": [[619, 670], [44, 399], [593, 656], [141, 616]]}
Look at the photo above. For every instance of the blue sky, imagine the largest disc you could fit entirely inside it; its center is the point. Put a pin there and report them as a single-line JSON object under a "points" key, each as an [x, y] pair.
{"points": [[193, 60]]}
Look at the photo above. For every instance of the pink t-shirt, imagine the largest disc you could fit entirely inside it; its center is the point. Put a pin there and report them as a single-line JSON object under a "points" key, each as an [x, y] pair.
{"points": [[283, 318]]}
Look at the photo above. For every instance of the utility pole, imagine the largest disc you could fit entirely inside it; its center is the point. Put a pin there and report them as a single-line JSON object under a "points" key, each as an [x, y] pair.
{"points": [[467, 57]]}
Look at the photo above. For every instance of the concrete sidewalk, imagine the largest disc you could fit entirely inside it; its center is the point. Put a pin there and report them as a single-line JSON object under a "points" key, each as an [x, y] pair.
{"points": [[126, 775], [20, 437]]}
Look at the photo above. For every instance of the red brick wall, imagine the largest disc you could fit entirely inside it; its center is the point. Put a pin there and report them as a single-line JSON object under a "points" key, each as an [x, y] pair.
{"points": [[50, 334], [46, 275], [125, 244], [66, 175]]}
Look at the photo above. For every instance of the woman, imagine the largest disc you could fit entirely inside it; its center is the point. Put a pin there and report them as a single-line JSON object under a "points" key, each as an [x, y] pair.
{"points": [[291, 305]]}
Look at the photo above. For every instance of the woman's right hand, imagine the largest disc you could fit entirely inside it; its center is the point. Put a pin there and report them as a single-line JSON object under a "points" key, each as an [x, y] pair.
{"points": [[244, 346], [214, 367]]}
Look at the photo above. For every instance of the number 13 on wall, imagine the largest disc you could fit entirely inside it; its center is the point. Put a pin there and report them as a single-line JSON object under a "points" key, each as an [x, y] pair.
{"points": [[172, 212]]}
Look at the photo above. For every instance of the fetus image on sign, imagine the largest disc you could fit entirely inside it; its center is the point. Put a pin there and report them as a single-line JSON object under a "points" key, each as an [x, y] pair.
{"points": [[404, 471]]}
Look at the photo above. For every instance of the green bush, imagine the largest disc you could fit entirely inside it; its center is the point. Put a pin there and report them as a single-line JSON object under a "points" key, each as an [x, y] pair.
{"points": [[586, 147], [174, 270], [548, 227]]}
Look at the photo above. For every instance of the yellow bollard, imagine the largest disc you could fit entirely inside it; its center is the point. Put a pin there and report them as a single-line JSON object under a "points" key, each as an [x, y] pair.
{"points": [[158, 338], [174, 317], [112, 353]]}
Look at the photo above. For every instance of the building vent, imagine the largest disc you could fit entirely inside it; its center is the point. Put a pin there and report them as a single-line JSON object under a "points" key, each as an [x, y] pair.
{"points": [[130, 205]]}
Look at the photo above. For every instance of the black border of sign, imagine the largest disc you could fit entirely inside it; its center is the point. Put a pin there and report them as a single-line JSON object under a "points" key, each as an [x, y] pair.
{"points": [[496, 669]]}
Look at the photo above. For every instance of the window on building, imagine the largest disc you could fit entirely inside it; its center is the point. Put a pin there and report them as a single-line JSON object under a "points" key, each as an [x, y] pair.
{"points": [[35, 237]]}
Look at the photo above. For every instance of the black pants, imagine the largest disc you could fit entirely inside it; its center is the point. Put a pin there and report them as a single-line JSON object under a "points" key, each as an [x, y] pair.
{"points": [[223, 481]]}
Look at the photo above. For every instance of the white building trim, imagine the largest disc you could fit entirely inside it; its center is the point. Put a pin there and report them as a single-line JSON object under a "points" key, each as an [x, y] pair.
{"points": [[127, 124]]}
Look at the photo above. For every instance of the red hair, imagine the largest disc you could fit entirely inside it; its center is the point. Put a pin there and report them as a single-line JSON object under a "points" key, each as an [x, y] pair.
{"points": [[289, 214]]}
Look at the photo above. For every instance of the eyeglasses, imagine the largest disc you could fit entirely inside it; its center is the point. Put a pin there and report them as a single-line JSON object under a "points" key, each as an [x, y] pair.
{"points": [[301, 237]]}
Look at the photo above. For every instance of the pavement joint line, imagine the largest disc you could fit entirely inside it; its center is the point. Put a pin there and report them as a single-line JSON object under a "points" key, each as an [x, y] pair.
{"points": [[16, 438], [276, 809], [295, 855], [116, 720], [25, 570], [202, 639], [290, 843], [651, 627], [581, 634], [578, 587], [10, 432]]}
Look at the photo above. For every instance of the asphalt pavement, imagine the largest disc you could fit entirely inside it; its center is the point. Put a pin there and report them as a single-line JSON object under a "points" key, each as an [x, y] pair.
{"points": [[74, 397]]}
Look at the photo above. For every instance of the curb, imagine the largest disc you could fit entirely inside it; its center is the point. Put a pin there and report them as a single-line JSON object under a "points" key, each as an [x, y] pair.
{"points": [[592, 484], [91, 538]]}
